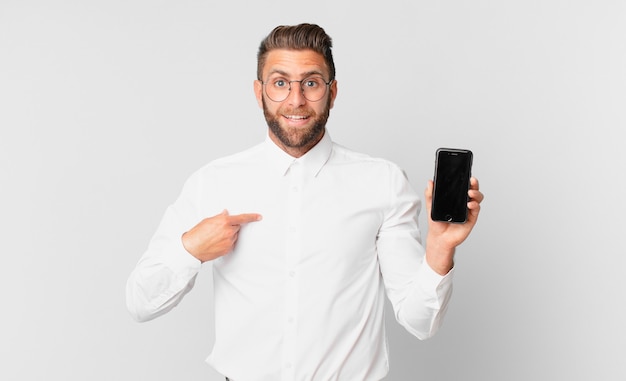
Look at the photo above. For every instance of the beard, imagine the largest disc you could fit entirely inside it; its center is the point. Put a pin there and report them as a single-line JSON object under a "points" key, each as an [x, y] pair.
{"points": [[297, 137]]}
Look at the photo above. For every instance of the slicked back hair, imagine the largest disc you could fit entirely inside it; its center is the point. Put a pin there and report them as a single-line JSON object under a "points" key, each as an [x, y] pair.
{"points": [[297, 37]]}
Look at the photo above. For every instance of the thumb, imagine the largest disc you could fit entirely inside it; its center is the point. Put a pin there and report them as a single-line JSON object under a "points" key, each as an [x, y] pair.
{"points": [[428, 192]]}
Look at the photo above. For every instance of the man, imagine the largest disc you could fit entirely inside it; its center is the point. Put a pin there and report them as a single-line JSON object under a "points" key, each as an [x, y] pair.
{"points": [[304, 238]]}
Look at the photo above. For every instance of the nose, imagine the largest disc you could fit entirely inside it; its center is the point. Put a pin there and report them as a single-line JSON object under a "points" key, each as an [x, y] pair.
{"points": [[296, 94]]}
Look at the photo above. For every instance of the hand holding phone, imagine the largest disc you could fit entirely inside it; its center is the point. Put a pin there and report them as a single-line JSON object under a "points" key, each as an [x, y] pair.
{"points": [[453, 169]]}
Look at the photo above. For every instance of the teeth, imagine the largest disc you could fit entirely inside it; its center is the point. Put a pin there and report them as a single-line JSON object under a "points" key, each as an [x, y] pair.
{"points": [[297, 117]]}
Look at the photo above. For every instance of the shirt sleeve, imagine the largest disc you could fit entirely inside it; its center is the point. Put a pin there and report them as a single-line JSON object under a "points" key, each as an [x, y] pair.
{"points": [[418, 294], [166, 272]]}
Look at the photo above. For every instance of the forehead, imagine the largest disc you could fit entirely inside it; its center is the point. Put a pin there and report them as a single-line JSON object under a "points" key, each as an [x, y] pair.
{"points": [[294, 63]]}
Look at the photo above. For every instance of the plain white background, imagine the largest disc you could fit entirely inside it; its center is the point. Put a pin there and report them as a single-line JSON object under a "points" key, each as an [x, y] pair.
{"points": [[107, 106]]}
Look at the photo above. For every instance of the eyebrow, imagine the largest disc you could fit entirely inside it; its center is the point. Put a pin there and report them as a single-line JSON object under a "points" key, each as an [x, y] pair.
{"points": [[304, 75]]}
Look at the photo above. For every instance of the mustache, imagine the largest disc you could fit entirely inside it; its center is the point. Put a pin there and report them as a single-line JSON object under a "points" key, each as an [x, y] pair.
{"points": [[299, 111]]}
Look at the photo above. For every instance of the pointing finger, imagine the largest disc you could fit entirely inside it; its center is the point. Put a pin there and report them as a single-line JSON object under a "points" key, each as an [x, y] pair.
{"points": [[244, 218]]}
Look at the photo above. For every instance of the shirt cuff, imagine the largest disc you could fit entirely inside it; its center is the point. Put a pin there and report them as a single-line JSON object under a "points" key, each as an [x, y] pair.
{"points": [[431, 277]]}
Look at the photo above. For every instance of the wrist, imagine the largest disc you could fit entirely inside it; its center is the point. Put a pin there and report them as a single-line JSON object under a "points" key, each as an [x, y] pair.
{"points": [[189, 246], [440, 258]]}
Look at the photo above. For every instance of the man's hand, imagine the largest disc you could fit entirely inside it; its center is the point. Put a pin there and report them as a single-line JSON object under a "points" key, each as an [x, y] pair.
{"points": [[444, 237], [215, 236]]}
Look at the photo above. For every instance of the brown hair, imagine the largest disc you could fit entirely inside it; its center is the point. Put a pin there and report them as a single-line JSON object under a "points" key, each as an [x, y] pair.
{"points": [[297, 37]]}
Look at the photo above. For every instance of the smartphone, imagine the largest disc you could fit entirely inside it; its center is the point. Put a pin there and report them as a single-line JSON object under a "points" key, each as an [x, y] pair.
{"points": [[453, 169]]}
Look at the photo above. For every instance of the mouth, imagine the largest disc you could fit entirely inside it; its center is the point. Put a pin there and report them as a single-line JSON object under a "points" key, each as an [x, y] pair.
{"points": [[296, 120]]}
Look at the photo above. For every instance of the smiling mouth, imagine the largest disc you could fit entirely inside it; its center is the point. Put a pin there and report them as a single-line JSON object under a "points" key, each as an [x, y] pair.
{"points": [[296, 117]]}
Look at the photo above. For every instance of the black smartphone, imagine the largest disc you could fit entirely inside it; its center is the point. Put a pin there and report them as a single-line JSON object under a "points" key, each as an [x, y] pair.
{"points": [[453, 169]]}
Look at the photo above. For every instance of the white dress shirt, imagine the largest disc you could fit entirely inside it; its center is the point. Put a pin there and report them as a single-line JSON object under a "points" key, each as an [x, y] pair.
{"points": [[301, 297]]}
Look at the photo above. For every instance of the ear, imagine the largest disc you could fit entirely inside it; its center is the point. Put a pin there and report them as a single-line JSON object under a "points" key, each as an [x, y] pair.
{"points": [[333, 93], [258, 92]]}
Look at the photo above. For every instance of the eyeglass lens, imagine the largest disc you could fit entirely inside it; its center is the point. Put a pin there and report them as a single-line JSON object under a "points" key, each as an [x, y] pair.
{"points": [[278, 88]]}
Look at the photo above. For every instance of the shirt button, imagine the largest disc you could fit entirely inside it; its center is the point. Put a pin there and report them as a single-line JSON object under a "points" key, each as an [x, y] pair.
{"points": [[288, 365], [290, 320], [292, 273], [294, 189]]}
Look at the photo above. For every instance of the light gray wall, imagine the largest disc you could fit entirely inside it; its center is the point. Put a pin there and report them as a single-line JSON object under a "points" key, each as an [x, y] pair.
{"points": [[107, 106]]}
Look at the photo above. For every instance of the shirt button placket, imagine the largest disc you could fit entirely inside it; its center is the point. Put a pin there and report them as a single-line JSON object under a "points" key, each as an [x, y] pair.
{"points": [[292, 255]]}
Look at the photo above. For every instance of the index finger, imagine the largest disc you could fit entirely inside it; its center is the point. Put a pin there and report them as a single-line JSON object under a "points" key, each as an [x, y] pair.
{"points": [[244, 218]]}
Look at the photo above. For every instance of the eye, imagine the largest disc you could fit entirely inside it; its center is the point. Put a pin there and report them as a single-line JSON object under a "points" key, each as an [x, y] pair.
{"points": [[312, 83], [280, 83]]}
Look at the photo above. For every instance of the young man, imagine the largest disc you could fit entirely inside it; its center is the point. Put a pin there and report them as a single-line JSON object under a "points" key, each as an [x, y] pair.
{"points": [[304, 236]]}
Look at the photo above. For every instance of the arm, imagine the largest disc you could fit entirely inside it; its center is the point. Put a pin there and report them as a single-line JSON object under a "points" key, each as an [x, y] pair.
{"points": [[418, 292], [168, 269]]}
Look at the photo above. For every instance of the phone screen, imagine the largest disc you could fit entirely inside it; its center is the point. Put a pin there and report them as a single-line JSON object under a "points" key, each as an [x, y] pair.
{"points": [[452, 175]]}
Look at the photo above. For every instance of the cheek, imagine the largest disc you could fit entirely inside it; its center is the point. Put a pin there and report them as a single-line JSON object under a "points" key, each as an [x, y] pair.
{"points": [[270, 109]]}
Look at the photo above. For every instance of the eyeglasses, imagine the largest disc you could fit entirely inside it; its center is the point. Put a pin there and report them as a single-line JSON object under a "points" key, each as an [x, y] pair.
{"points": [[313, 88]]}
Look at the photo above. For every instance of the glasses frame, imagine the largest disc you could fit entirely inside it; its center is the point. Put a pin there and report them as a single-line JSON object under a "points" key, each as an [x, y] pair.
{"points": [[263, 83]]}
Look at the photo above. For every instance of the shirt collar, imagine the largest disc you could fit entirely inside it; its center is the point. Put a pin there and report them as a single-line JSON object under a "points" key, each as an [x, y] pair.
{"points": [[312, 162]]}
